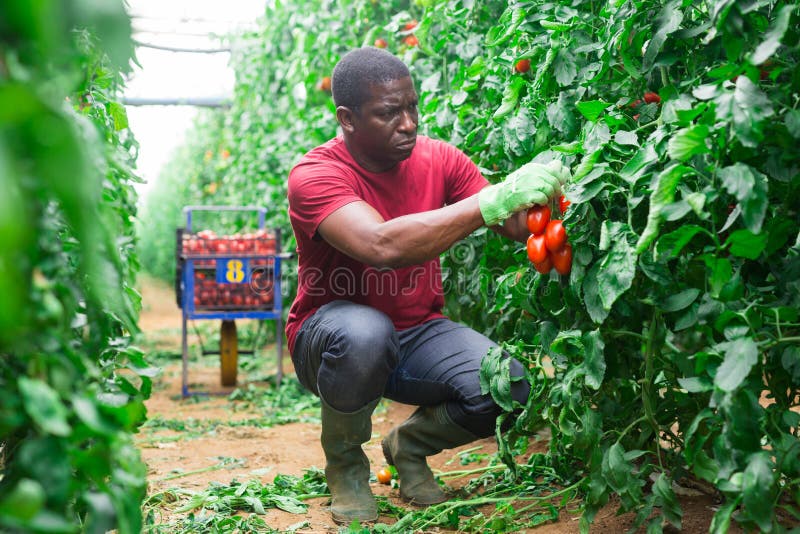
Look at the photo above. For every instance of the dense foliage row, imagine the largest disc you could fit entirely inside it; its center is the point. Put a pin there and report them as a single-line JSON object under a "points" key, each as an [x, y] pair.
{"points": [[671, 350], [70, 386]]}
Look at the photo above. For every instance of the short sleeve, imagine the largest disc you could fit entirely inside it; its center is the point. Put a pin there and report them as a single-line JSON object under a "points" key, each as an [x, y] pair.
{"points": [[315, 191]]}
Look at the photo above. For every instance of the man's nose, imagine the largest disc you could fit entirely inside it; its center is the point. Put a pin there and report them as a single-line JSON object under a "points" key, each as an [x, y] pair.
{"points": [[409, 121]]}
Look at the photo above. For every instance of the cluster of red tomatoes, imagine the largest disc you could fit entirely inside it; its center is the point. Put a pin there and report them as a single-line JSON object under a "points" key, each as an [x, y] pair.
{"points": [[207, 242], [547, 245], [209, 294], [409, 39]]}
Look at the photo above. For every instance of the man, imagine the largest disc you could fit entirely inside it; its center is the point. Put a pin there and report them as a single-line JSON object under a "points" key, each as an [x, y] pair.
{"points": [[372, 210]]}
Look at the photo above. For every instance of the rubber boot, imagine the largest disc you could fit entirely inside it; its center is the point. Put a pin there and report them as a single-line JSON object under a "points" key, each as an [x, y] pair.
{"points": [[428, 431], [346, 466]]}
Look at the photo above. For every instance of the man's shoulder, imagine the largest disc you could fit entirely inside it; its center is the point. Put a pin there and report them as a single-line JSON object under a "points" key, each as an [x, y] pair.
{"points": [[326, 158]]}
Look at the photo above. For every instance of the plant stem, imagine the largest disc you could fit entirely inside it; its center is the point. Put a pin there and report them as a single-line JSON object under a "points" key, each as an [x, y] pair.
{"points": [[468, 472], [647, 399], [193, 472], [407, 521]]}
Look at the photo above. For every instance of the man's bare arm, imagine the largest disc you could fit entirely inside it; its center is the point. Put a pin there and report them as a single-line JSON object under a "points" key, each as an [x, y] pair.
{"points": [[359, 231]]}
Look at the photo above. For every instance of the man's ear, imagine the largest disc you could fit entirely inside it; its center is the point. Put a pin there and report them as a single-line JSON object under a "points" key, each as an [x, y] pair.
{"points": [[345, 117]]}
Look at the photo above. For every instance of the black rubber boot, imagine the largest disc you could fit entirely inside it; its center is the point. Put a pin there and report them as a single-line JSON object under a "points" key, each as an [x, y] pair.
{"points": [[347, 467], [428, 431]]}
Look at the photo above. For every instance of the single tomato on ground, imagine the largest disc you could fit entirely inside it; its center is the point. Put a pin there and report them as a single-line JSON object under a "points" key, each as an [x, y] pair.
{"points": [[384, 476]]}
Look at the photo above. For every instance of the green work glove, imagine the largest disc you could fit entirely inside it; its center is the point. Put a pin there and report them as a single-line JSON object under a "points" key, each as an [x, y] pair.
{"points": [[533, 183]]}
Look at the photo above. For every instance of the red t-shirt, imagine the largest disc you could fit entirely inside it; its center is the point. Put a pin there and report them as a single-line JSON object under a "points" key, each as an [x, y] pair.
{"points": [[327, 178]]}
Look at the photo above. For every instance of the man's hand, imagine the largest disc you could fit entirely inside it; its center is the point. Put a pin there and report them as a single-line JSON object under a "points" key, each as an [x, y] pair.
{"points": [[533, 183]]}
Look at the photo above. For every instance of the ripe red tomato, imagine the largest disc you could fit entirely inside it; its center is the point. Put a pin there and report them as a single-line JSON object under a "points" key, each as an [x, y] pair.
{"points": [[563, 204], [562, 259], [545, 266], [325, 84], [523, 65], [652, 98], [410, 25], [537, 251], [384, 476], [554, 235], [411, 40], [538, 217], [380, 42]]}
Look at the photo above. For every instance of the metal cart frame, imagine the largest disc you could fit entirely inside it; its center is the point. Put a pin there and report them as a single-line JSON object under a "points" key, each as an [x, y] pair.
{"points": [[187, 261]]}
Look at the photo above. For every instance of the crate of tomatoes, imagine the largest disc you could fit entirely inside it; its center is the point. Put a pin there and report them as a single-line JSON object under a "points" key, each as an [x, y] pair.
{"points": [[229, 272]]}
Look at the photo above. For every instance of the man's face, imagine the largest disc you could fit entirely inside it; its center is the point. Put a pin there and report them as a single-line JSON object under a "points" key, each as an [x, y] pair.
{"points": [[385, 128]]}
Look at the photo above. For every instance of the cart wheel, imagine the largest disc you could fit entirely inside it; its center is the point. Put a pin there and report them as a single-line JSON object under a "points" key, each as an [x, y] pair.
{"points": [[228, 352]]}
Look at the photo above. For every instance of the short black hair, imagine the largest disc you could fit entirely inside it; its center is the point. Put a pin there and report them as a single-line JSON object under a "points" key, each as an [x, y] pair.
{"points": [[361, 68]]}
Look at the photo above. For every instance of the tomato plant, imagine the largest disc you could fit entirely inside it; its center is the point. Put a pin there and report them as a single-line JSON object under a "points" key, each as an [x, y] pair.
{"points": [[537, 218], [73, 385]]}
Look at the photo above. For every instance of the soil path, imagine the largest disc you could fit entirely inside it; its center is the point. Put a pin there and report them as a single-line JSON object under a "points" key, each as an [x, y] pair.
{"points": [[181, 458]]}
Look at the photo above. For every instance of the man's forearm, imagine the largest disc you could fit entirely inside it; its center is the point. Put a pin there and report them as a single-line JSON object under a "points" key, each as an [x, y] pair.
{"points": [[418, 237]]}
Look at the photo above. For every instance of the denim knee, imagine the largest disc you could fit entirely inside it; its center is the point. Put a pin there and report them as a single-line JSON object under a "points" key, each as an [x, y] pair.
{"points": [[362, 354]]}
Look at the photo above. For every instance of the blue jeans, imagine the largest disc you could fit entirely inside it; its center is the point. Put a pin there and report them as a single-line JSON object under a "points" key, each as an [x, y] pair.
{"points": [[350, 354]]}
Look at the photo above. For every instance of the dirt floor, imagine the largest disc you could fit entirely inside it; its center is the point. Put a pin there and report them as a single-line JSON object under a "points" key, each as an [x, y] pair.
{"points": [[179, 461]]}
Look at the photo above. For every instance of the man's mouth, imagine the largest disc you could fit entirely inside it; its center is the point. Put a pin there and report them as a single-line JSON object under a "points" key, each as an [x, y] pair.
{"points": [[407, 144]]}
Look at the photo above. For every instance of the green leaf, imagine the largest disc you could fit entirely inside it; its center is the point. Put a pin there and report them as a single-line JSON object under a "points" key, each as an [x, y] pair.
{"points": [[664, 187], [758, 490], [721, 272], [495, 377], [509, 22], [24, 501], [721, 522], [750, 188], [616, 469], [688, 142], [679, 301], [667, 501], [746, 244], [623, 137], [591, 109], [594, 361], [668, 20], [564, 67], [44, 406], [792, 121], [510, 97], [670, 245], [639, 163], [772, 39], [118, 113], [740, 357], [746, 108], [611, 276]]}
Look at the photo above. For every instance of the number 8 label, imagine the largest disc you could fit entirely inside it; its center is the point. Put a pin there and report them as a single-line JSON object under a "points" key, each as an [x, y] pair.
{"points": [[232, 271]]}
